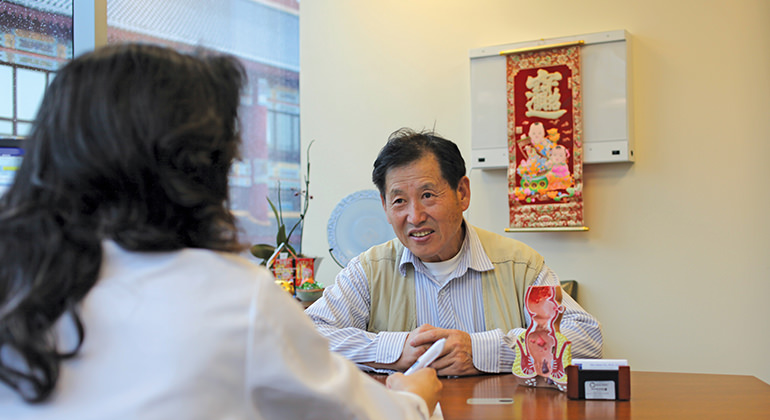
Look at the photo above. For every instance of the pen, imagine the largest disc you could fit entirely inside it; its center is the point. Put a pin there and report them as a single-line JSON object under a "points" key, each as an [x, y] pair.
{"points": [[428, 357]]}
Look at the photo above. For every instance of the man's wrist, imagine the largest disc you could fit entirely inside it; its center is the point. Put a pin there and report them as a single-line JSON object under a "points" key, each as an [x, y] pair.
{"points": [[390, 345], [485, 347]]}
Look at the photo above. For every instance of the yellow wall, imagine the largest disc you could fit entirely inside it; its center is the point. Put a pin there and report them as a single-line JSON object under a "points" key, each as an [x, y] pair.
{"points": [[676, 263]]}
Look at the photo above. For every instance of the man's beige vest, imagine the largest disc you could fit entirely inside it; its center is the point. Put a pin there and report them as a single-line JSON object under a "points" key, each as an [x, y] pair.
{"points": [[393, 295]]}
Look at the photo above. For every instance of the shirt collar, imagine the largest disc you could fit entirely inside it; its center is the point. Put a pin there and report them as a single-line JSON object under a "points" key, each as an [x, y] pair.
{"points": [[472, 255]]}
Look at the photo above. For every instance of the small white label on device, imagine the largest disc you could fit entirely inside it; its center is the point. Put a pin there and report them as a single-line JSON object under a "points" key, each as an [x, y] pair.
{"points": [[600, 390]]}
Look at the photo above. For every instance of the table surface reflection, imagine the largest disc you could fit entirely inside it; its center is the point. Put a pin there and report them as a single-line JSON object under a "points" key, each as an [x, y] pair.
{"points": [[654, 395]]}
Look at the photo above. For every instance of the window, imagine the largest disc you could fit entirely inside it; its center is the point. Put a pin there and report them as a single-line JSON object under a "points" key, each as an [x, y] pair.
{"points": [[35, 40], [264, 35]]}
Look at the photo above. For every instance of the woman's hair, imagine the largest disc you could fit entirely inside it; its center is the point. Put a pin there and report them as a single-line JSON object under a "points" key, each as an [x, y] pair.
{"points": [[132, 143]]}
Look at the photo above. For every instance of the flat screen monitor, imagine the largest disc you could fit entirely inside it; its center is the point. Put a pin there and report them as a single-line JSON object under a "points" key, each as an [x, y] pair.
{"points": [[11, 153]]}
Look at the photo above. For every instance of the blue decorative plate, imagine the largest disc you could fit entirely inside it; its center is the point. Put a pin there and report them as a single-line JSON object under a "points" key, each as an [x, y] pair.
{"points": [[356, 224]]}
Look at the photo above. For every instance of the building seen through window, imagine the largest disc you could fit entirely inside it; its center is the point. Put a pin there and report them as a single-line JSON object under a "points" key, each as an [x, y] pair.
{"points": [[37, 38]]}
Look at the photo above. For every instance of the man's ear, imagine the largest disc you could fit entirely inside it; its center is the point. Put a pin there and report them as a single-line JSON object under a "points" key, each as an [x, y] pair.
{"points": [[464, 192]]}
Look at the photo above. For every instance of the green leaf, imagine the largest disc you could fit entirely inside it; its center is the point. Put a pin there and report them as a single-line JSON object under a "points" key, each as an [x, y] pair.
{"points": [[281, 236], [275, 212], [263, 251]]}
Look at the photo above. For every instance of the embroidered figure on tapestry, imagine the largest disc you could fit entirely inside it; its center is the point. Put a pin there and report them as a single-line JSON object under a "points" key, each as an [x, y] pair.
{"points": [[544, 132]]}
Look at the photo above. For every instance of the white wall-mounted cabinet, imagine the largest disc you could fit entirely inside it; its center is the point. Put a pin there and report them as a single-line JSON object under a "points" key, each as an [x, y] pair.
{"points": [[606, 113]]}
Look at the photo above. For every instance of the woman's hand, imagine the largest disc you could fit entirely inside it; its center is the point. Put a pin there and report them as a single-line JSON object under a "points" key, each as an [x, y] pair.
{"points": [[423, 382]]}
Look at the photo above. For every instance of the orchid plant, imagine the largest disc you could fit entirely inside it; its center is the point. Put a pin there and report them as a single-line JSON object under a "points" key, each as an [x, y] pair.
{"points": [[265, 251]]}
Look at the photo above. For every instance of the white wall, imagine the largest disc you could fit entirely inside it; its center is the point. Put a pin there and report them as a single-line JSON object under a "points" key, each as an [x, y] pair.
{"points": [[676, 261]]}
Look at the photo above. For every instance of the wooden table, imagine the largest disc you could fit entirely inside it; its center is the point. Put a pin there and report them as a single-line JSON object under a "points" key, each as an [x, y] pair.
{"points": [[654, 395]]}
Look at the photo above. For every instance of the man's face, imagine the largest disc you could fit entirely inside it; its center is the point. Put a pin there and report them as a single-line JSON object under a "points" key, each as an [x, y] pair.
{"points": [[425, 212]]}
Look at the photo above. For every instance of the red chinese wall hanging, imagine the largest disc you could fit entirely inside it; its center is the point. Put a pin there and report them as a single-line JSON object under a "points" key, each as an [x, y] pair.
{"points": [[545, 172]]}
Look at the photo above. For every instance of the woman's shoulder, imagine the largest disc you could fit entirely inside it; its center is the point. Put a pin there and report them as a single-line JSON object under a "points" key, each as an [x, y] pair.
{"points": [[223, 260], [191, 264], [224, 266]]}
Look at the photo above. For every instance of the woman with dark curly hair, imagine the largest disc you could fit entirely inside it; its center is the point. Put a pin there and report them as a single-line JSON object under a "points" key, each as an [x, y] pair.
{"points": [[122, 294]]}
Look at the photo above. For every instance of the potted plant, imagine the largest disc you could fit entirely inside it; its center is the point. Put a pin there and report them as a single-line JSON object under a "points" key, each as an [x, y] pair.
{"points": [[270, 254], [265, 251]]}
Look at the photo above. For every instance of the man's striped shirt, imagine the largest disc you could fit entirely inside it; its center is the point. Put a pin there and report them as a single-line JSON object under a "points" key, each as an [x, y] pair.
{"points": [[342, 314]]}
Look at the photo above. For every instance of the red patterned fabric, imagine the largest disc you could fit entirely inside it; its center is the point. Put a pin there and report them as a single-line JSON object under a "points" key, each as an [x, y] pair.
{"points": [[545, 172]]}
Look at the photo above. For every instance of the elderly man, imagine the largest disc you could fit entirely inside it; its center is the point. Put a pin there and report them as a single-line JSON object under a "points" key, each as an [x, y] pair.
{"points": [[441, 277]]}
